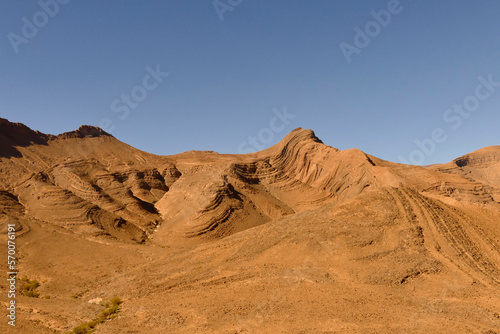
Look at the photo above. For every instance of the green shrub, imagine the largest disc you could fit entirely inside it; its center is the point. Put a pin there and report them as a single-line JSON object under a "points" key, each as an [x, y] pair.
{"points": [[112, 308]]}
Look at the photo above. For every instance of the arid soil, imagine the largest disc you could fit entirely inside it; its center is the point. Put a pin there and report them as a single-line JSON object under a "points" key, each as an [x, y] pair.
{"points": [[298, 238]]}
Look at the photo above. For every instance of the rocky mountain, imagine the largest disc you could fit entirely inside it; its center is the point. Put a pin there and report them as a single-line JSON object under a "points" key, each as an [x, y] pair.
{"points": [[300, 237]]}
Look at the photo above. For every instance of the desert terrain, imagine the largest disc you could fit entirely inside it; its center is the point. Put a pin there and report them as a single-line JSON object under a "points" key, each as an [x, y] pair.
{"points": [[298, 238]]}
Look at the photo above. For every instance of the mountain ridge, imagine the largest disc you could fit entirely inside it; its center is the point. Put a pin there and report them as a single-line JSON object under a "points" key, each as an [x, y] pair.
{"points": [[291, 225]]}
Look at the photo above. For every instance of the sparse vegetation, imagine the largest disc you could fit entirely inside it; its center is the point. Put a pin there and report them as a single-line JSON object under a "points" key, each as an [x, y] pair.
{"points": [[111, 308], [80, 294], [29, 287]]}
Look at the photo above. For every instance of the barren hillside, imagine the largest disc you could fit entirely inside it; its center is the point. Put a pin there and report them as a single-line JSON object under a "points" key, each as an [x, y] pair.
{"points": [[298, 238]]}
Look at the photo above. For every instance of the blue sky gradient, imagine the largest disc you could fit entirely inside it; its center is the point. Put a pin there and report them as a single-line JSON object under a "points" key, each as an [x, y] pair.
{"points": [[227, 76]]}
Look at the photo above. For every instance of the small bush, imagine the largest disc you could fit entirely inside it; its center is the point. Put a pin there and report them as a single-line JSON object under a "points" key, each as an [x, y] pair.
{"points": [[29, 288], [82, 329], [115, 301], [112, 308], [32, 294]]}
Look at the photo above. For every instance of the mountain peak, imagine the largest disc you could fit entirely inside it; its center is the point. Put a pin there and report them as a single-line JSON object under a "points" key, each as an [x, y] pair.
{"points": [[13, 129], [17, 134], [84, 131], [483, 156], [300, 135]]}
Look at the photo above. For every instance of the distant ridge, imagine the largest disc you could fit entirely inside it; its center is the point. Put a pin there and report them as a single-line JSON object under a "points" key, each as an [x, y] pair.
{"points": [[84, 131]]}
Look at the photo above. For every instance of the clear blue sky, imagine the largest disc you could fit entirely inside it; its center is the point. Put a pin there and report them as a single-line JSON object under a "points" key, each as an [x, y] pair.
{"points": [[227, 76]]}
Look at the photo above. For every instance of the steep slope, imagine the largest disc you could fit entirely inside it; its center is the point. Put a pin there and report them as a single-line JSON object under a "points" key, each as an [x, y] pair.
{"points": [[300, 237], [84, 180], [481, 166], [377, 263], [17, 134], [224, 194]]}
